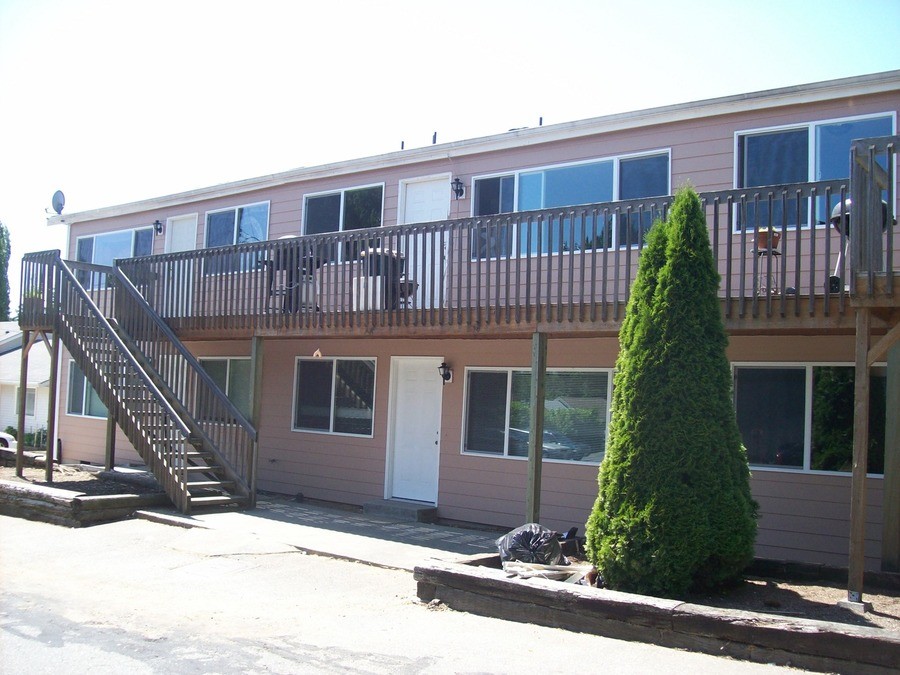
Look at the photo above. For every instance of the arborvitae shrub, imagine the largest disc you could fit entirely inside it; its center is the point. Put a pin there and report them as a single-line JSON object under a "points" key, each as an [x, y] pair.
{"points": [[673, 512]]}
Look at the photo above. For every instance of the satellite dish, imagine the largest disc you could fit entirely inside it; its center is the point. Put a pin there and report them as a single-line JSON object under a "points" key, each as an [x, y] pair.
{"points": [[59, 201]]}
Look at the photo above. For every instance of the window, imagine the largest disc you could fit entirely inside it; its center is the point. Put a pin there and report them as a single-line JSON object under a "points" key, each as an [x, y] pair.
{"points": [[104, 249], [617, 178], [228, 227], [809, 152], [29, 401], [575, 413], [801, 417], [352, 209], [82, 399], [232, 375], [335, 396]]}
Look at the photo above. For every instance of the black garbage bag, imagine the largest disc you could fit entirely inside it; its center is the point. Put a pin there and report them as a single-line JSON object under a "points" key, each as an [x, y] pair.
{"points": [[531, 543]]}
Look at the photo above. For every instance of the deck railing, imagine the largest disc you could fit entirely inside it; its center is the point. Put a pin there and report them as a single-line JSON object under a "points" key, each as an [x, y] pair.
{"points": [[554, 266]]}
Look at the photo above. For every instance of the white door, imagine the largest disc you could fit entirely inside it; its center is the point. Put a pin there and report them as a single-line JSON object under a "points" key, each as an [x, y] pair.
{"points": [[415, 441], [181, 235], [426, 201]]}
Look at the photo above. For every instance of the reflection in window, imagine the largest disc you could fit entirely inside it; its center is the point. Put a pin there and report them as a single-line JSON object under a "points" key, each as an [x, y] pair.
{"points": [[832, 419], [105, 249], [82, 399], [783, 156], [352, 209], [242, 225], [335, 396], [566, 186], [232, 376], [774, 412], [575, 407]]}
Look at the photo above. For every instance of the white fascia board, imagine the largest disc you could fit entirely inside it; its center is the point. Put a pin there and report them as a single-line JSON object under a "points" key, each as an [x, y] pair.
{"points": [[797, 95]]}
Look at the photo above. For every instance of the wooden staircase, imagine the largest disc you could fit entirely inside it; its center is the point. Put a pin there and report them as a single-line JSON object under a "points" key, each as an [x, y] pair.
{"points": [[173, 416]]}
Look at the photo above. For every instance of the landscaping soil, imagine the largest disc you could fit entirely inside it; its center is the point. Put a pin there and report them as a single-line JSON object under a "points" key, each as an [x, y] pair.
{"points": [[786, 598]]}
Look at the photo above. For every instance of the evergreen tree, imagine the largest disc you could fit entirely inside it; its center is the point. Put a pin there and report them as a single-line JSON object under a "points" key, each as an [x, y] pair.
{"points": [[674, 512], [4, 273]]}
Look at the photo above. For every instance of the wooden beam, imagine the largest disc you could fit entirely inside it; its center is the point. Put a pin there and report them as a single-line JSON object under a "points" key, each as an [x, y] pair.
{"points": [[536, 427], [880, 348], [860, 460], [110, 441], [890, 528], [51, 412], [23, 384], [257, 352]]}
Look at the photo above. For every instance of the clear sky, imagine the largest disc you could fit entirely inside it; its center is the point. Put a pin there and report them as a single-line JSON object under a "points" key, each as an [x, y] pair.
{"points": [[114, 101]]}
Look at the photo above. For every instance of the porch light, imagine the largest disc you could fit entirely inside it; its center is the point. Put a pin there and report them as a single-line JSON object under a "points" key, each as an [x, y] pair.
{"points": [[157, 226], [458, 188], [446, 373]]}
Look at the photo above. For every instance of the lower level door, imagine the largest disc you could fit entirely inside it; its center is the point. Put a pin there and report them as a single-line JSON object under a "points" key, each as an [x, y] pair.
{"points": [[415, 444]]}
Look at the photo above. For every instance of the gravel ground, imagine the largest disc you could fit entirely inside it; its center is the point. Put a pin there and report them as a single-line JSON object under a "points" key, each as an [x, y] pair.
{"points": [[771, 596]]}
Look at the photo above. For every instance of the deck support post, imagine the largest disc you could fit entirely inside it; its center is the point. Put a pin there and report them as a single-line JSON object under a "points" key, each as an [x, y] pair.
{"points": [[860, 459], [890, 535], [110, 441], [257, 352], [23, 384], [536, 427], [51, 412]]}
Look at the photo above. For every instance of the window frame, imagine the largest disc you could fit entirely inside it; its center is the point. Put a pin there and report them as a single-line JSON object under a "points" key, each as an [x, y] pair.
{"points": [[228, 374], [509, 370], [811, 160], [809, 371], [342, 254], [87, 388], [616, 161], [29, 392], [239, 262], [331, 422], [98, 279]]}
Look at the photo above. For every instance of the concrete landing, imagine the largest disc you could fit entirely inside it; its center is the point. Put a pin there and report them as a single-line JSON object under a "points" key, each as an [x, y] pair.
{"points": [[399, 509]]}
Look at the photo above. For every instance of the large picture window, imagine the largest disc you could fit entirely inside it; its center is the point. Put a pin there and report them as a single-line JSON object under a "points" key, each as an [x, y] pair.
{"points": [[233, 376], [343, 211], [575, 413], [616, 178], [82, 399], [106, 248], [801, 417], [335, 396], [238, 225], [808, 152]]}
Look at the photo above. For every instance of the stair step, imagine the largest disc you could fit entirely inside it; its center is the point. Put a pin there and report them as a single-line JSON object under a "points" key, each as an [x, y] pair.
{"points": [[218, 500], [202, 468], [210, 485]]}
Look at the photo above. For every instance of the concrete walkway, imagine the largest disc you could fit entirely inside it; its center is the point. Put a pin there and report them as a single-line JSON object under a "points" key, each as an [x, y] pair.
{"points": [[339, 533]]}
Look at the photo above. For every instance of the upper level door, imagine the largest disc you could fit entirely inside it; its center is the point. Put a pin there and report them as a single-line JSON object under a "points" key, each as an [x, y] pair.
{"points": [[181, 235], [423, 201]]}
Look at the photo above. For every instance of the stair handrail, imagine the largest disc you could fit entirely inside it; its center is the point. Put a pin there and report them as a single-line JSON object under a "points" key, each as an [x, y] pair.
{"points": [[191, 360], [119, 343]]}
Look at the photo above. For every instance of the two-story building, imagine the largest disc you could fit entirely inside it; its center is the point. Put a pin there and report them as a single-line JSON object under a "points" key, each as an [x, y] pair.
{"points": [[363, 330]]}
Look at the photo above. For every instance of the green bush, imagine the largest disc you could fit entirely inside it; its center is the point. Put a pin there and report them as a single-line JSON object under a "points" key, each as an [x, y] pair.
{"points": [[12, 431], [673, 512]]}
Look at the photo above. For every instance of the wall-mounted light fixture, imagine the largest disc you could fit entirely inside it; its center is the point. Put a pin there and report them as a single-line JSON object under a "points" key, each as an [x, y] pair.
{"points": [[157, 227], [458, 188], [446, 372]]}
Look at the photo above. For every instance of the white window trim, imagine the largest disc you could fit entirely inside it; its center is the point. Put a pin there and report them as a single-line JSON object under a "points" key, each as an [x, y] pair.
{"points": [[334, 360], [132, 230], [341, 192], [234, 232], [807, 411], [509, 369], [810, 127], [84, 398]]}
